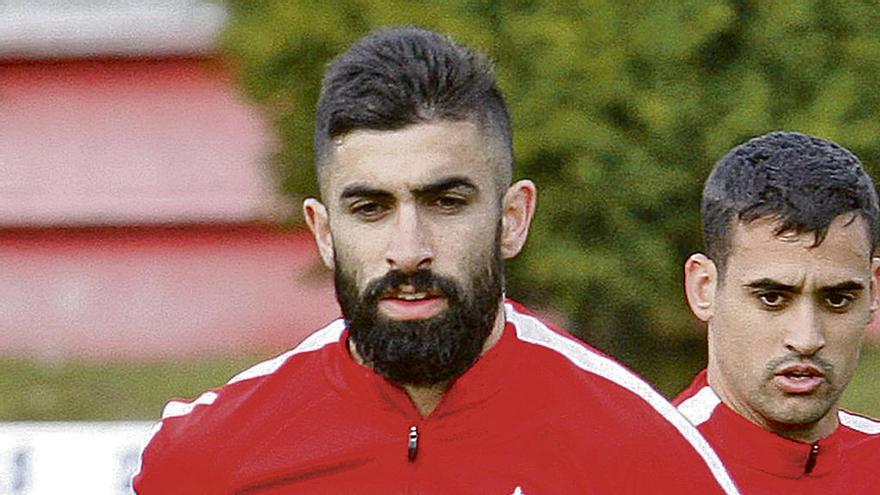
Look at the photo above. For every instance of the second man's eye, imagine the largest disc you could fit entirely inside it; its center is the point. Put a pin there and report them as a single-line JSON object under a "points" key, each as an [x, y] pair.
{"points": [[773, 300], [839, 301]]}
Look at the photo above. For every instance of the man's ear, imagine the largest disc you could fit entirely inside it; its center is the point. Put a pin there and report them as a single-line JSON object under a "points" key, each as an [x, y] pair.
{"points": [[518, 208], [700, 285], [875, 284], [318, 221]]}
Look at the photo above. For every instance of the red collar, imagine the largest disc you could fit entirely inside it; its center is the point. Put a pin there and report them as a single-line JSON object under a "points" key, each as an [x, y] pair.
{"points": [[740, 441], [361, 383]]}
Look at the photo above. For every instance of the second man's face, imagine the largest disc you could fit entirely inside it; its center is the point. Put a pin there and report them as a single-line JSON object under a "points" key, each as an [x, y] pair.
{"points": [[788, 323]]}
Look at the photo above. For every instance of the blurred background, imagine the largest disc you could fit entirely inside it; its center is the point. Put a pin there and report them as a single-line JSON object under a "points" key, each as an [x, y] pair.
{"points": [[153, 156]]}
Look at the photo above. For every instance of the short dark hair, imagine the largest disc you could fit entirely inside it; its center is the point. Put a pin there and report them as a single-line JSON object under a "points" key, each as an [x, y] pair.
{"points": [[401, 76], [801, 182]]}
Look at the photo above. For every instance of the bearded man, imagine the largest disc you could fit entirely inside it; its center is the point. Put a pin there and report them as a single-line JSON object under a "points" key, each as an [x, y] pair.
{"points": [[432, 382]]}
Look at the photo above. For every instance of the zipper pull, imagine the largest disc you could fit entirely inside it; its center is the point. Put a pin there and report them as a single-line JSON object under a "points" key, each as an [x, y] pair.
{"points": [[413, 445], [811, 460]]}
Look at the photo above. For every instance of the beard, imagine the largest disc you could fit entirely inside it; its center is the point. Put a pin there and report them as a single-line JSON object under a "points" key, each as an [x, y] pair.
{"points": [[430, 351]]}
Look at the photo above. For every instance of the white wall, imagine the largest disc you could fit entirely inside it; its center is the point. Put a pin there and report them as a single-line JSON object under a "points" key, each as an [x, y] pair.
{"points": [[70, 458], [87, 28]]}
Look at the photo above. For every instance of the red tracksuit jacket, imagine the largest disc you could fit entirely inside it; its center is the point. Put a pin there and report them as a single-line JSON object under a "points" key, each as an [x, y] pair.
{"points": [[847, 462], [539, 413]]}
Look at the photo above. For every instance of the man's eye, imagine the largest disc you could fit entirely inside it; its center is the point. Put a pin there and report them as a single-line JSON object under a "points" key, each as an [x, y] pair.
{"points": [[773, 300], [839, 301], [449, 203], [367, 210]]}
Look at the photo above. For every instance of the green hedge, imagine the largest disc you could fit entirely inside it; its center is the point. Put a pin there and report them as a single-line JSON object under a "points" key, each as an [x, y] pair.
{"points": [[620, 109]]}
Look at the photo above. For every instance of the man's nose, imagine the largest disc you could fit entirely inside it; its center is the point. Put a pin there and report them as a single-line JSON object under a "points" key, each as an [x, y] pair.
{"points": [[410, 247], [805, 334]]}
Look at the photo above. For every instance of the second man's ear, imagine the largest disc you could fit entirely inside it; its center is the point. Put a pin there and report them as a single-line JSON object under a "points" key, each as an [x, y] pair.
{"points": [[518, 208], [318, 221], [700, 285], [875, 284]]}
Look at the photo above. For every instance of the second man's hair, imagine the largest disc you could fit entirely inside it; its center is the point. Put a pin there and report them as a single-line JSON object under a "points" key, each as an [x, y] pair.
{"points": [[801, 182]]}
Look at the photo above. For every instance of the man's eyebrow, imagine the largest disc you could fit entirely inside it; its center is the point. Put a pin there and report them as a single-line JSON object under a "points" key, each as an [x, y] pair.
{"points": [[770, 284], [446, 184], [362, 190], [851, 285]]}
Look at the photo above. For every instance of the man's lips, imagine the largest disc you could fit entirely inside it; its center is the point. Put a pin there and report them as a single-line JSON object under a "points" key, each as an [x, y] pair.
{"points": [[411, 305], [799, 378]]}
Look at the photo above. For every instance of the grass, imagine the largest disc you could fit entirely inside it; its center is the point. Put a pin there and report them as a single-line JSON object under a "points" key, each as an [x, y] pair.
{"points": [[90, 391], [863, 393], [104, 391]]}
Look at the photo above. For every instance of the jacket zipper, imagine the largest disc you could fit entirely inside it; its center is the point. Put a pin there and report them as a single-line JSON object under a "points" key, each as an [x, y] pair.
{"points": [[811, 459], [412, 443]]}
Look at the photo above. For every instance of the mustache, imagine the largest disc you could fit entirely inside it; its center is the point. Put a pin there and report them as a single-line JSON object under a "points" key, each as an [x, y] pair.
{"points": [[421, 281], [793, 358]]}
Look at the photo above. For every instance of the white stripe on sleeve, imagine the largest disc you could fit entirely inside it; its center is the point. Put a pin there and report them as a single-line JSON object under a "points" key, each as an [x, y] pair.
{"points": [[327, 335], [859, 423], [699, 407], [315, 341], [530, 329], [177, 408]]}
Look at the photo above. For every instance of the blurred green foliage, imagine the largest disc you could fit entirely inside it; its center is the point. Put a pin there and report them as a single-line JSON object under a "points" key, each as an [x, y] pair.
{"points": [[620, 109]]}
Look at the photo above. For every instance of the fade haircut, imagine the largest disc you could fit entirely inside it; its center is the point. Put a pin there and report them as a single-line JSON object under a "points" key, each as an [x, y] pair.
{"points": [[801, 182], [401, 76]]}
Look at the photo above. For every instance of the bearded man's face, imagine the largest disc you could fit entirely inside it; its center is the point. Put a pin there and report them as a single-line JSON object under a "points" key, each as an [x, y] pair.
{"points": [[415, 225]]}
